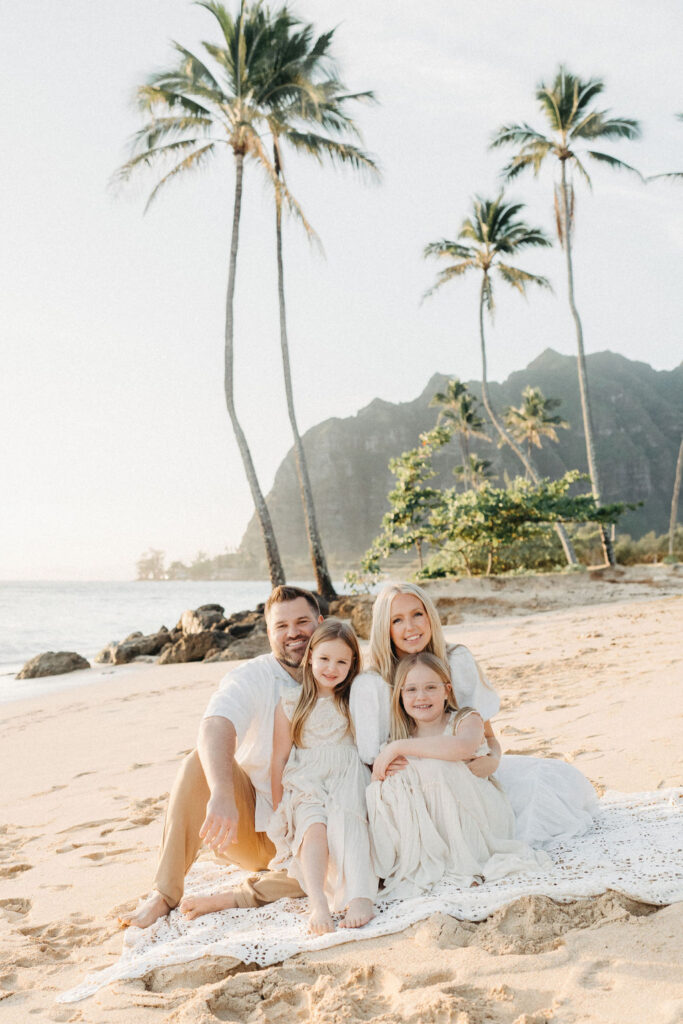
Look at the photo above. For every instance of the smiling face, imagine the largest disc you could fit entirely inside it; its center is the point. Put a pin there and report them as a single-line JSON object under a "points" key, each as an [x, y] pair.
{"points": [[424, 695], [290, 625], [331, 662], [409, 627]]}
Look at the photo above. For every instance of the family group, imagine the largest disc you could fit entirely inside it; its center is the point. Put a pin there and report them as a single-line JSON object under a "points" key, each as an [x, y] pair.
{"points": [[349, 785]]}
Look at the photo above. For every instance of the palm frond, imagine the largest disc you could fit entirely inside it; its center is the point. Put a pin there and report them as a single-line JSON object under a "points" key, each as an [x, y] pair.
{"points": [[448, 274], [612, 161], [598, 126], [342, 153], [444, 247], [520, 279], [670, 174], [192, 162]]}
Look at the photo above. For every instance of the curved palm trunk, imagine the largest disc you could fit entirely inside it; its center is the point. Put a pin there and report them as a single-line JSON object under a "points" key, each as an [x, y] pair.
{"points": [[323, 579], [674, 500], [275, 570], [607, 548], [559, 528], [465, 448]]}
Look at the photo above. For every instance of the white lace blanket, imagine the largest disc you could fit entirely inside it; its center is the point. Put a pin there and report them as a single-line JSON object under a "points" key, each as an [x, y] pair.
{"points": [[635, 847]]}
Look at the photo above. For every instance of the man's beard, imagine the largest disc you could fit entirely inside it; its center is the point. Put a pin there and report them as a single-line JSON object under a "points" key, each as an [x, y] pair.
{"points": [[291, 660]]}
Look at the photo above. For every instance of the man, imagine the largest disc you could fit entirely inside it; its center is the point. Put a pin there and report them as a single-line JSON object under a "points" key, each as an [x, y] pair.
{"points": [[221, 795]]}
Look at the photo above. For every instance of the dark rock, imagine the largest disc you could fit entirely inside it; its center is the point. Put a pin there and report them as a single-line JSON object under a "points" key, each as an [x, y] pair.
{"points": [[193, 647], [211, 608], [52, 663], [247, 647], [240, 629], [134, 646], [361, 616], [200, 619]]}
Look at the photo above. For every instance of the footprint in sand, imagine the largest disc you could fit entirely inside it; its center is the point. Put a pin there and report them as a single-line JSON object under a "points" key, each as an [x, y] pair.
{"points": [[14, 869], [15, 908]]}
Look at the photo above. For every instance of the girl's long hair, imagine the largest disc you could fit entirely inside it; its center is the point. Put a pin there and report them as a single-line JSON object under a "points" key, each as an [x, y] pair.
{"points": [[382, 657], [402, 725], [330, 629]]}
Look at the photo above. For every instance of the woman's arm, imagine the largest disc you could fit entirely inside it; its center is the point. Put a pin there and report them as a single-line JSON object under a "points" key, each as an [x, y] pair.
{"points": [[485, 766], [282, 746], [369, 705], [461, 747]]}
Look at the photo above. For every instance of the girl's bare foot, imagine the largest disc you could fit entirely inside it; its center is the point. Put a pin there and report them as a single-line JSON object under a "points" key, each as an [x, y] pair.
{"points": [[320, 920], [358, 913], [195, 906], [154, 907]]}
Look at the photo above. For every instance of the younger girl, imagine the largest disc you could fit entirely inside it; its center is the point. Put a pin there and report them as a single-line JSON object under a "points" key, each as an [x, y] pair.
{"points": [[435, 818], [319, 826]]}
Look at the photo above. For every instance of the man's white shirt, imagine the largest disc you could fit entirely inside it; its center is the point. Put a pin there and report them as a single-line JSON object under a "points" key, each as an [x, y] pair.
{"points": [[248, 696]]}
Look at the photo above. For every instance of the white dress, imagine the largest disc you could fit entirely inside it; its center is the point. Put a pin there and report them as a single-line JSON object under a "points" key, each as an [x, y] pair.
{"points": [[324, 782], [550, 798], [435, 820]]}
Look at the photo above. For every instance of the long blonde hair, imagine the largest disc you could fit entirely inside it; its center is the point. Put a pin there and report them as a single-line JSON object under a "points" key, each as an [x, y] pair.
{"points": [[382, 656], [331, 629], [402, 725]]}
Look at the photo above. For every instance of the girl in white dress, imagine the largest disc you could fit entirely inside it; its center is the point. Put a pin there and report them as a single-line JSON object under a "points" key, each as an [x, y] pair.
{"points": [[319, 826], [551, 799], [435, 819]]}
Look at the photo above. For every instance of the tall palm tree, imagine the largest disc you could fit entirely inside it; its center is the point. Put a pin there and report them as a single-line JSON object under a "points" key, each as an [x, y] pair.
{"points": [[533, 419], [459, 409], [673, 518], [492, 235], [314, 121], [476, 473], [195, 110], [571, 121]]}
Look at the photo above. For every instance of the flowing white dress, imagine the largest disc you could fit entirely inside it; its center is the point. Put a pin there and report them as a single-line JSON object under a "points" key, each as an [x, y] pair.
{"points": [[551, 799], [324, 782], [435, 820]]}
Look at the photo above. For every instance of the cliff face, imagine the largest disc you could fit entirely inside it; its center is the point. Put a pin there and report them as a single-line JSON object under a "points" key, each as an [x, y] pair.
{"points": [[637, 419]]}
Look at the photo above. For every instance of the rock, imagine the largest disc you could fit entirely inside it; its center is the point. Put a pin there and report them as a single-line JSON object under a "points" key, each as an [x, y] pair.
{"points": [[194, 647], [134, 646], [200, 619], [240, 629], [248, 647], [608, 574], [448, 609], [52, 663], [361, 616]]}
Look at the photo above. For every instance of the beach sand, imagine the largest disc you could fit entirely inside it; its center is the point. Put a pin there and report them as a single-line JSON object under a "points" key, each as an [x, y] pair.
{"points": [[86, 773]]}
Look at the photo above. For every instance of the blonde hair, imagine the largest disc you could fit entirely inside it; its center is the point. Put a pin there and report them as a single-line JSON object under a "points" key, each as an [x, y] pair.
{"points": [[382, 656], [331, 629], [402, 725]]}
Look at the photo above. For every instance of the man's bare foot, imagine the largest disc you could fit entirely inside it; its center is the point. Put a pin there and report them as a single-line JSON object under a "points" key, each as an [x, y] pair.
{"points": [[154, 907], [320, 920], [358, 913], [195, 906]]}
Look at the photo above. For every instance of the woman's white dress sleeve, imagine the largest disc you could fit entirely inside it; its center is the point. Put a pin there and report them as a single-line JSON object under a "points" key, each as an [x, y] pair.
{"points": [[370, 707], [470, 686]]}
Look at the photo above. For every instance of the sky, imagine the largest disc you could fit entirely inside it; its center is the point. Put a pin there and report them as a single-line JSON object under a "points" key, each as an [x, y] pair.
{"points": [[114, 432]]}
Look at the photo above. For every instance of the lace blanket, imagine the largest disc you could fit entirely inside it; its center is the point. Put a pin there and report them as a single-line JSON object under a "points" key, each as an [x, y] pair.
{"points": [[635, 847]]}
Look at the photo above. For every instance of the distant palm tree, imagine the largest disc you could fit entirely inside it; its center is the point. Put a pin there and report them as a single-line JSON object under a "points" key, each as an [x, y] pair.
{"points": [[533, 419], [671, 174], [673, 519], [194, 112], [566, 104], [487, 239], [459, 409], [319, 103], [475, 473]]}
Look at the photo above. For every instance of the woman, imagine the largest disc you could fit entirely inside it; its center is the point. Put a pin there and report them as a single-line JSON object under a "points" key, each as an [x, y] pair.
{"points": [[551, 799]]}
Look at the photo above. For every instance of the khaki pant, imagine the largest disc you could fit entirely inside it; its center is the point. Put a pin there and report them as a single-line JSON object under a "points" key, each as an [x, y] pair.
{"points": [[180, 843]]}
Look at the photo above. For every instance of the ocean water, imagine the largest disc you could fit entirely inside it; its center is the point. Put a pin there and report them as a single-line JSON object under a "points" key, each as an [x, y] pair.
{"points": [[84, 616]]}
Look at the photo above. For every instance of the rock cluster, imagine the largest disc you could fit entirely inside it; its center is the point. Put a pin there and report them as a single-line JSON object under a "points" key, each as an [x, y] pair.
{"points": [[201, 634]]}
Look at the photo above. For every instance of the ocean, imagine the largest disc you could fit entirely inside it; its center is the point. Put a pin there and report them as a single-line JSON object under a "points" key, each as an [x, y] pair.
{"points": [[84, 616]]}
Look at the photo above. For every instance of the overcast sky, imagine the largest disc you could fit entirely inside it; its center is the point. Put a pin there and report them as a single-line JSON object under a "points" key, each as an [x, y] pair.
{"points": [[114, 431]]}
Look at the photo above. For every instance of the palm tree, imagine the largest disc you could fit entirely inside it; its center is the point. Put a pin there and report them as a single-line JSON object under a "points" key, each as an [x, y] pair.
{"points": [[193, 112], [566, 104], [459, 409], [475, 474], [319, 103], [676, 175], [673, 519], [533, 419], [487, 239]]}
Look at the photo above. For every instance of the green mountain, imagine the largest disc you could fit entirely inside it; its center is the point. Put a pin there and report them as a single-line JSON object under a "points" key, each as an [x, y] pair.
{"points": [[638, 421]]}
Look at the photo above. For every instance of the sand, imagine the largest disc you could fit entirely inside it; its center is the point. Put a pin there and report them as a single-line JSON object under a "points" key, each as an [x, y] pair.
{"points": [[86, 773]]}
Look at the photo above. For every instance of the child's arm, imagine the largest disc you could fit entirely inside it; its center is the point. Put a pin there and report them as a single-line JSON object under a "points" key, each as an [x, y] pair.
{"points": [[460, 747], [282, 745]]}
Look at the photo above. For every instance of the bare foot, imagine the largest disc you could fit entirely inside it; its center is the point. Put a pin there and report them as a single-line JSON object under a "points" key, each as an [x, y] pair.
{"points": [[154, 907], [320, 920], [195, 906], [358, 913]]}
